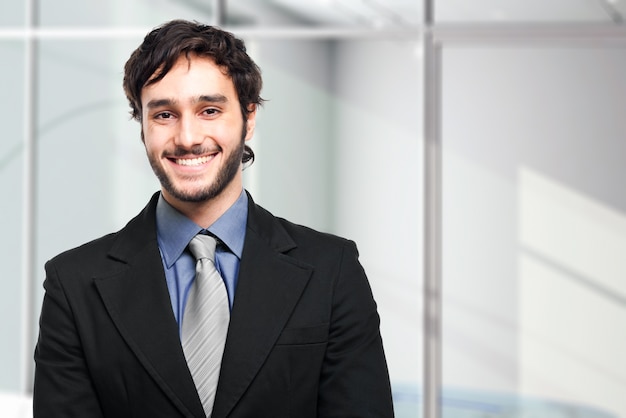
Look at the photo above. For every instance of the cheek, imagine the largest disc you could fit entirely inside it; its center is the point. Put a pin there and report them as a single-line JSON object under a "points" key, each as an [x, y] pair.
{"points": [[152, 147], [154, 136], [224, 134]]}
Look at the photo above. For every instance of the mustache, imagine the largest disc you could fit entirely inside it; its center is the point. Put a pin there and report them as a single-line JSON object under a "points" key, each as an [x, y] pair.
{"points": [[195, 150]]}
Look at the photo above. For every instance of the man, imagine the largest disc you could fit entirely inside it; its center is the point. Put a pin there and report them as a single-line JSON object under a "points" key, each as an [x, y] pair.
{"points": [[122, 333]]}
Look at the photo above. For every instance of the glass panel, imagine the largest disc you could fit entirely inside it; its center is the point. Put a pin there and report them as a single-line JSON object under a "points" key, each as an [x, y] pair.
{"points": [[372, 14], [534, 231], [96, 13], [499, 11], [11, 174], [13, 13]]}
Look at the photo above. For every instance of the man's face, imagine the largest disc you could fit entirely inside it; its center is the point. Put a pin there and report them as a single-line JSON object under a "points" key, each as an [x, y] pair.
{"points": [[194, 132]]}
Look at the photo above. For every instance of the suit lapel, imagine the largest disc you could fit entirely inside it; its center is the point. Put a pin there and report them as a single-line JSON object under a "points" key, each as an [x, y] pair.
{"points": [[138, 301], [269, 287]]}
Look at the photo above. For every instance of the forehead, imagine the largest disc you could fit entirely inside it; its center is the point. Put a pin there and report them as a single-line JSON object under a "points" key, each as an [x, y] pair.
{"points": [[191, 76]]}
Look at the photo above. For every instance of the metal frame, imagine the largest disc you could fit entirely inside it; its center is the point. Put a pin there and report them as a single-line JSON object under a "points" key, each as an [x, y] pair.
{"points": [[219, 12], [29, 197], [431, 404]]}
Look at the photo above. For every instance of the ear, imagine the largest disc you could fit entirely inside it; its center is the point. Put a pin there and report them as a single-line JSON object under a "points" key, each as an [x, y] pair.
{"points": [[250, 121]]}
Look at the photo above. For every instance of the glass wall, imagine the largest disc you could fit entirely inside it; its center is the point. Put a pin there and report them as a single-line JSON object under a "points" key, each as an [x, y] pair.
{"points": [[527, 111], [117, 14]]}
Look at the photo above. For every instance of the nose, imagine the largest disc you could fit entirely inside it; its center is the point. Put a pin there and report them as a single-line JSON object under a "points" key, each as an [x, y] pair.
{"points": [[189, 132]]}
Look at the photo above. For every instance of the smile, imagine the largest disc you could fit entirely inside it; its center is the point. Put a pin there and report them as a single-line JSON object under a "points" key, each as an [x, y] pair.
{"points": [[193, 161]]}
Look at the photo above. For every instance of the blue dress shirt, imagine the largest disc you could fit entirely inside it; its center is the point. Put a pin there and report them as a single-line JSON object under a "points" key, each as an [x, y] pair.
{"points": [[175, 230]]}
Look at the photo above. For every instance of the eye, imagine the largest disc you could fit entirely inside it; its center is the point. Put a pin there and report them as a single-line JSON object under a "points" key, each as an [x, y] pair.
{"points": [[163, 115], [210, 111]]}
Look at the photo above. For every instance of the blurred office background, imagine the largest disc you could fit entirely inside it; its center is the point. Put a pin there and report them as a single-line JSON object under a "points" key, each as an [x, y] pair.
{"points": [[475, 150]]}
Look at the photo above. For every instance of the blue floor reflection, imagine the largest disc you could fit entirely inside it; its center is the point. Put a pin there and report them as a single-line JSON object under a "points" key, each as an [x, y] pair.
{"points": [[460, 403]]}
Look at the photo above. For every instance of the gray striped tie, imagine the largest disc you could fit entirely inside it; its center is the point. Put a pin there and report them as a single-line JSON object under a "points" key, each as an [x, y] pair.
{"points": [[205, 321]]}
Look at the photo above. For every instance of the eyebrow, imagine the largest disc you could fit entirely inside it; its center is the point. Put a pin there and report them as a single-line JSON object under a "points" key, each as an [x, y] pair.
{"points": [[153, 104], [214, 98], [211, 98]]}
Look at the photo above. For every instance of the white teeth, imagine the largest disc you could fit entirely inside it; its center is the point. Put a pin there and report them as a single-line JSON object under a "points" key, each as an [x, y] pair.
{"points": [[192, 161]]}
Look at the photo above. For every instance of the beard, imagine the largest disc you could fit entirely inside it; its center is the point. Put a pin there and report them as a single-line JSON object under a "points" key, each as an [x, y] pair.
{"points": [[210, 191]]}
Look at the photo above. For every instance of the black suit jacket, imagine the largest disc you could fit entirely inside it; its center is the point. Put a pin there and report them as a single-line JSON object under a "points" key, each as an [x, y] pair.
{"points": [[303, 339]]}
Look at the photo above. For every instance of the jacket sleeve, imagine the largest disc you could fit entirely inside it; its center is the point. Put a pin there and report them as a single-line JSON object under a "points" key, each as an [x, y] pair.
{"points": [[354, 379], [62, 386]]}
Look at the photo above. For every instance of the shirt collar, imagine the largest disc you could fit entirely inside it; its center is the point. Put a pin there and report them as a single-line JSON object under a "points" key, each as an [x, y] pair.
{"points": [[175, 230]]}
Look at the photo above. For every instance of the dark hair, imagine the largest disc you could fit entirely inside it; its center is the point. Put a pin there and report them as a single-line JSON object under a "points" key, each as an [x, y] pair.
{"points": [[164, 45]]}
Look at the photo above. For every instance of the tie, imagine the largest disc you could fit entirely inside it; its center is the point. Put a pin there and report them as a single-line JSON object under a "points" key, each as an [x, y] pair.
{"points": [[205, 321]]}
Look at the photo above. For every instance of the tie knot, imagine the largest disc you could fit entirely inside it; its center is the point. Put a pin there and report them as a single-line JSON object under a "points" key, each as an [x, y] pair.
{"points": [[203, 246]]}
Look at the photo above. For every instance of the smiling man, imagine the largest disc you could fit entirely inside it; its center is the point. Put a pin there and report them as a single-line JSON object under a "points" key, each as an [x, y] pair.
{"points": [[205, 304]]}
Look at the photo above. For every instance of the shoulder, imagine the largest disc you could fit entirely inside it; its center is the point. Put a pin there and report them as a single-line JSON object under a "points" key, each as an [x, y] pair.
{"points": [[299, 241], [85, 256], [309, 237], [321, 249], [100, 254]]}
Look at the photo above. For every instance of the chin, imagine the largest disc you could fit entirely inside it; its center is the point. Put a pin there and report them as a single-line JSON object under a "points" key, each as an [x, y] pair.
{"points": [[196, 195]]}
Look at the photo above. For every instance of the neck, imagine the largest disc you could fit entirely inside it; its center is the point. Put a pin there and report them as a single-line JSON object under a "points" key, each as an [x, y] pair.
{"points": [[205, 213]]}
